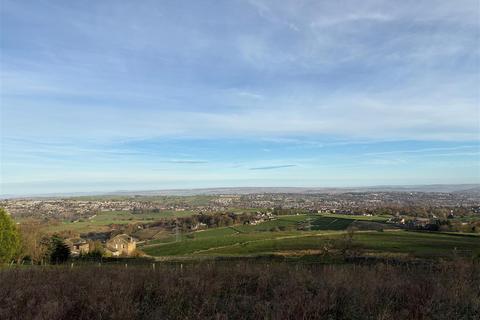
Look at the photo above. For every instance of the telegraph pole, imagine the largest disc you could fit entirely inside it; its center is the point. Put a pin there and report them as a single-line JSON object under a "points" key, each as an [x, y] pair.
{"points": [[177, 231]]}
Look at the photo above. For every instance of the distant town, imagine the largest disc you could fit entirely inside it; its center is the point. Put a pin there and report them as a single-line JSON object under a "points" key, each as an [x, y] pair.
{"points": [[347, 203]]}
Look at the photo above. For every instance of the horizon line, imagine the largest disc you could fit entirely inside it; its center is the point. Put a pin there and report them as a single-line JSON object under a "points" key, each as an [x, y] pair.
{"points": [[138, 191]]}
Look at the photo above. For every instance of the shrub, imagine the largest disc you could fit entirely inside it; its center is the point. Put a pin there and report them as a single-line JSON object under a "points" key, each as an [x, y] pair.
{"points": [[241, 290]]}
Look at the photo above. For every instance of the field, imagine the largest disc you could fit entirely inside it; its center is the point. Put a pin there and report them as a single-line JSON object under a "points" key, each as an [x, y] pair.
{"points": [[414, 243], [266, 239], [102, 220], [303, 234]]}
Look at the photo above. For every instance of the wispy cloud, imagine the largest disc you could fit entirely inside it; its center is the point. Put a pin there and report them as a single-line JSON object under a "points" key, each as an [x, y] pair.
{"points": [[273, 167], [425, 150], [186, 161]]}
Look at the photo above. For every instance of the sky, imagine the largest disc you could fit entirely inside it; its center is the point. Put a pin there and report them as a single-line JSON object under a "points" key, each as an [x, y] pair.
{"points": [[141, 95]]}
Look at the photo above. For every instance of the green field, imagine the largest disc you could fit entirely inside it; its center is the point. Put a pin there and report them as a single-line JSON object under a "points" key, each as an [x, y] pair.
{"points": [[251, 240], [268, 225], [380, 218], [211, 239], [309, 222], [205, 244], [330, 223], [415, 243]]}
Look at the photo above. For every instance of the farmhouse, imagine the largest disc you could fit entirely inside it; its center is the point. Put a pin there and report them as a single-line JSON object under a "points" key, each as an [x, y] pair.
{"points": [[198, 226], [259, 218], [121, 245], [78, 246]]}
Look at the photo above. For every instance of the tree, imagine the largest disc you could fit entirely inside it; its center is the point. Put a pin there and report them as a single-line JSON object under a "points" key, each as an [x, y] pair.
{"points": [[9, 238], [59, 251], [33, 249]]}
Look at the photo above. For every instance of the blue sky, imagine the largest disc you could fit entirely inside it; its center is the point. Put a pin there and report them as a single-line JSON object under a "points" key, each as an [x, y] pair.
{"points": [[115, 95]]}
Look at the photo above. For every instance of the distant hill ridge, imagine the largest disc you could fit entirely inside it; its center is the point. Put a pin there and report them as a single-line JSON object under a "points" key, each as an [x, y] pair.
{"points": [[445, 188]]}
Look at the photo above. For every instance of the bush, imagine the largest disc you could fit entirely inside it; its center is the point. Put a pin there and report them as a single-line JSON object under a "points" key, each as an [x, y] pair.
{"points": [[92, 255], [240, 290]]}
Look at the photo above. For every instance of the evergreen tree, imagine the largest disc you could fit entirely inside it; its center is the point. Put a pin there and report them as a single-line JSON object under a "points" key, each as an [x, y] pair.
{"points": [[9, 238], [59, 251]]}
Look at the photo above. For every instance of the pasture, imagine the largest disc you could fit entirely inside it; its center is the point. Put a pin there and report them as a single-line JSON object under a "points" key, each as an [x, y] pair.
{"points": [[266, 238]]}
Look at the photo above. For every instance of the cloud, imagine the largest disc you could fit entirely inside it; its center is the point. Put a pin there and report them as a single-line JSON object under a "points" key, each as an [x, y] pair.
{"points": [[425, 150], [274, 167], [385, 162], [347, 70], [351, 18], [186, 161]]}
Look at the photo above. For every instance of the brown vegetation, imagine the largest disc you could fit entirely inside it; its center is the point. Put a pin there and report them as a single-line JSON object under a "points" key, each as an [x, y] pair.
{"points": [[241, 290]]}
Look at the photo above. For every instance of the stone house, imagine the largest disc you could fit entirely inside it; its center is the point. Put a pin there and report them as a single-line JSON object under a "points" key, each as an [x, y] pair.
{"points": [[77, 246], [121, 245]]}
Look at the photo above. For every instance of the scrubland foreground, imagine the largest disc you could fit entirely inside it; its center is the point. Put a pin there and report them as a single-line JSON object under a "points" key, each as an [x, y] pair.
{"points": [[243, 290]]}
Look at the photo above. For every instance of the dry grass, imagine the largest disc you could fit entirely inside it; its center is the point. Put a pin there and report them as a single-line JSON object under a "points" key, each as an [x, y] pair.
{"points": [[241, 290]]}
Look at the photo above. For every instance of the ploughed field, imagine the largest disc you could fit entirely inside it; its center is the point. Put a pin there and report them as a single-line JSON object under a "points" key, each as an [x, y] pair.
{"points": [[314, 235]]}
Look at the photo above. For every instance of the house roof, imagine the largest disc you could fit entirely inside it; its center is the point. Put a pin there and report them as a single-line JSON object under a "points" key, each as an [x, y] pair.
{"points": [[124, 237], [76, 241]]}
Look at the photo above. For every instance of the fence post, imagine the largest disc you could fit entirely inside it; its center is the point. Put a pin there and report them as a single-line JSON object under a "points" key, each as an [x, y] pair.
{"points": [[153, 266]]}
